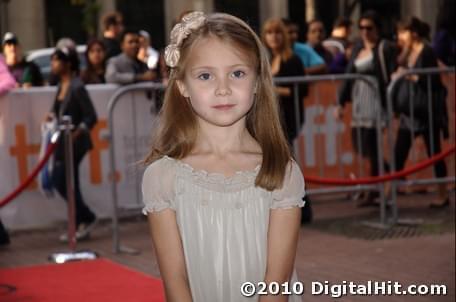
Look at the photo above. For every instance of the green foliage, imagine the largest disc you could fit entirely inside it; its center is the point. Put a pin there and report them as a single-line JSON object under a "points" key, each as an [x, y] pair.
{"points": [[90, 14]]}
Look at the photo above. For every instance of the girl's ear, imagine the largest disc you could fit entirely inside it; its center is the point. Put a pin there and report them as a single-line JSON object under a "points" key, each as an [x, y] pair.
{"points": [[182, 88]]}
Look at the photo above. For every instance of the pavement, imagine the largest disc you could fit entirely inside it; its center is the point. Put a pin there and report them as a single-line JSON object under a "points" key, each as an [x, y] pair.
{"points": [[337, 248]]}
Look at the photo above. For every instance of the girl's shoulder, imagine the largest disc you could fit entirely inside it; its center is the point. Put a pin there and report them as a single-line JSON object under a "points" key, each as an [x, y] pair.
{"points": [[161, 167], [158, 185], [292, 190]]}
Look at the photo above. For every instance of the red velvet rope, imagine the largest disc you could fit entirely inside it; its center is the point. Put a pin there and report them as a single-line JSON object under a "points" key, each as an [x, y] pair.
{"points": [[371, 180], [311, 179], [26, 182]]}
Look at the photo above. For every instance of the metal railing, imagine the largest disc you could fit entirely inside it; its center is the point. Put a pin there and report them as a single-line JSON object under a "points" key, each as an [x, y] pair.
{"points": [[295, 81], [378, 126], [116, 211], [428, 72]]}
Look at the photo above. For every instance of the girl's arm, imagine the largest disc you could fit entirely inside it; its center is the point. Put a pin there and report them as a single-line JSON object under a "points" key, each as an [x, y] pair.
{"points": [[283, 234], [170, 255]]}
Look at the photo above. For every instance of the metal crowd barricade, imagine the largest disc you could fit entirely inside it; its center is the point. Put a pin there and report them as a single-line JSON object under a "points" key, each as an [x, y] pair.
{"points": [[117, 211], [428, 72], [295, 81]]}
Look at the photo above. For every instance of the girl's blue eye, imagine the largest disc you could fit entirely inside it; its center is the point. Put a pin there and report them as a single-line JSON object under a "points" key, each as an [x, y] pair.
{"points": [[238, 74], [204, 76]]}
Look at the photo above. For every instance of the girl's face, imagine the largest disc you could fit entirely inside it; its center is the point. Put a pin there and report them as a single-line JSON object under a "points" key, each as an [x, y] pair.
{"points": [[218, 82], [405, 38], [96, 54], [274, 38]]}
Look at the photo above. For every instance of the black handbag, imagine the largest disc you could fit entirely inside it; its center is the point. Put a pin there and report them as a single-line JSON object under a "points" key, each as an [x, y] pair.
{"points": [[410, 99]]}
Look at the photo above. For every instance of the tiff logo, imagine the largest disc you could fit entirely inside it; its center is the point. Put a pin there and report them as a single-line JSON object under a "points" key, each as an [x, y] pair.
{"points": [[320, 121], [22, 150]]}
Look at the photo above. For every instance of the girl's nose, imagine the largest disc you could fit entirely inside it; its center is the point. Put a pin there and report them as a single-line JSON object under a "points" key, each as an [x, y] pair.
{"points": [[223, 88]]}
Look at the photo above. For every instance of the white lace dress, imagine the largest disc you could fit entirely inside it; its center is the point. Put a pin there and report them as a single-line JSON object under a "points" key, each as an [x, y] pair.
{"points": [[223, 223]]}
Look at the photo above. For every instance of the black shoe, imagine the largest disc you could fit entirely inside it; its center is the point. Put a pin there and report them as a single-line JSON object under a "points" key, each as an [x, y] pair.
{"points": [[373, 194], [4, 237], [442, 205]]}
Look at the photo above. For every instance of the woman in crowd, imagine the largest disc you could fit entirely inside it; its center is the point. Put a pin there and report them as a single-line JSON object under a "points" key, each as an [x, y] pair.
{"points": [[376, 58], [284, 63], [413, 35], [72, 99], [96, 63]]}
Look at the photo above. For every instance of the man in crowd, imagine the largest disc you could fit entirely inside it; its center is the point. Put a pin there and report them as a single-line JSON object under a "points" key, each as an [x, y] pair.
{"points": [[313, 63], [25, 73], [339, 44], [126, 68], [147, 53], [315, 35]]}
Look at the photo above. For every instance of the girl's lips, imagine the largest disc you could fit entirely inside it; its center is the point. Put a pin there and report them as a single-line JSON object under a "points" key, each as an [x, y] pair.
{"points": [[223, 107]]}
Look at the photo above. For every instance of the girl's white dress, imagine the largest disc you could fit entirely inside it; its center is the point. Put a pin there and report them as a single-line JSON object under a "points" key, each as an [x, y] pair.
{"points": [[223, 223]]}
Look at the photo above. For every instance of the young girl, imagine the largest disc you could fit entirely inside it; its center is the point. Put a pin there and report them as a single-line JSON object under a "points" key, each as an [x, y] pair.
{"points": [[222, 192]]}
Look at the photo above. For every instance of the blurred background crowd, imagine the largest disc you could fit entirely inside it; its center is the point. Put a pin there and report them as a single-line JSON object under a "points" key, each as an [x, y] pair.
{"points": [[320, 34]]}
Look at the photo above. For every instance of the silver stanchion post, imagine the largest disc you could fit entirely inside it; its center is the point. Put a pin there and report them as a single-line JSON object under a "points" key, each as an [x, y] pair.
{"points": [[62, 257], [69, 179]]}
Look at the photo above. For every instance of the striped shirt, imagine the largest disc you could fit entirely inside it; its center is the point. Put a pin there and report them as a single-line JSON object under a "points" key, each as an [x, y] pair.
{"points": [[366, 99]]}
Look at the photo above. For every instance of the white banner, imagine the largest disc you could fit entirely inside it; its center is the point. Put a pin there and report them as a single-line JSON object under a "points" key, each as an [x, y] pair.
{"points": [[21, 113]]}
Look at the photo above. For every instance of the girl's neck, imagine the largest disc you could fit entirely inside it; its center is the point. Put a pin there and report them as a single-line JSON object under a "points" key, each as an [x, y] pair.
{"points": [[221, 141]]}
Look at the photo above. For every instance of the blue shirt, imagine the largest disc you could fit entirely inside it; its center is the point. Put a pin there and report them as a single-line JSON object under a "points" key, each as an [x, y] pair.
{"points": [[307, 54]]}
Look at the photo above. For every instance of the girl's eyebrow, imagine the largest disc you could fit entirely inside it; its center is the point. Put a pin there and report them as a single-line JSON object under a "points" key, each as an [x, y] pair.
{"points": [[212, 67]]}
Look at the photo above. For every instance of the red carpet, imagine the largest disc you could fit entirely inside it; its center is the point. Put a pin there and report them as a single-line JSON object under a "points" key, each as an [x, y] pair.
{"points": [[85, 281]]}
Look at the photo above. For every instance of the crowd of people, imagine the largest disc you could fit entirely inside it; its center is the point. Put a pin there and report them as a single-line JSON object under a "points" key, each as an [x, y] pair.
{"points": [[124, 56]]}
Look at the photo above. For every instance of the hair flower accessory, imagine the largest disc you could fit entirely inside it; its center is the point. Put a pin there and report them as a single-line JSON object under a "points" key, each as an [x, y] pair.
{"points": [[179, 33]]}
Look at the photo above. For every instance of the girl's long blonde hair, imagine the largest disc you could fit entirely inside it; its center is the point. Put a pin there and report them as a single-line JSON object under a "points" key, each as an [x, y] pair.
{"points": [[176, 133]]}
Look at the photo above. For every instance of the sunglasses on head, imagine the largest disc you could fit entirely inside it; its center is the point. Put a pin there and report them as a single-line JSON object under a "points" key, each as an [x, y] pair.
{"points": [[368, 27]]}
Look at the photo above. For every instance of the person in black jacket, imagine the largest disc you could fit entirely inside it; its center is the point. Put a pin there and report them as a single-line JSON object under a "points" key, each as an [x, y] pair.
{"points": [[375, 58], [73, 99], [284, 63], [417, 53]]}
